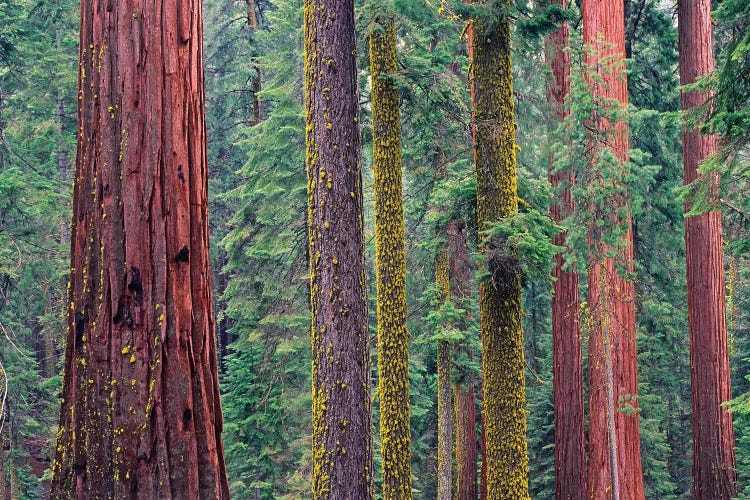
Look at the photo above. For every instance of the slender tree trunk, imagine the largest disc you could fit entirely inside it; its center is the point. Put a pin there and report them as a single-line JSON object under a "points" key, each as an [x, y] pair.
{"points": [[3, 453], [500, 310], [390, 266], [567, 363], [611, 295], [341, 412], [252, 16], [141, 414], [714, 472], [445, 417], [461, 283], [15, 484]]}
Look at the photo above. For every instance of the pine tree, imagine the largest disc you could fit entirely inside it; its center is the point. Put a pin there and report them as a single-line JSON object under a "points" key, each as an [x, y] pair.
{"points": [[504, 414], [713, 434], [342, 442], [390, 267], [141, 414]]}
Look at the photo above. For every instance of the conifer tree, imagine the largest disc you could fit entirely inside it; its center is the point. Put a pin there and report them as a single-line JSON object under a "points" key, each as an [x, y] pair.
{"points": [[567, 362], [504, 414], [614, 442], [714, 472], [390, 263], [141, 415], [341, 416]]}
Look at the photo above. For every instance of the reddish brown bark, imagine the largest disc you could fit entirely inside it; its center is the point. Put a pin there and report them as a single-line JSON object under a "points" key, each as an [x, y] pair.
{"points": [[612, 347], [714, 471], [141, 415], [465, 398], [567, 370]]}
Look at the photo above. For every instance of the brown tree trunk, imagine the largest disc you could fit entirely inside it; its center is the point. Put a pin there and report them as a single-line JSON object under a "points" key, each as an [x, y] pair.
{"points": [[341, 408], [461, 282], [141, 414], [15, 485], [444, 398], [567, 362], [714, 463], [611, 295]]}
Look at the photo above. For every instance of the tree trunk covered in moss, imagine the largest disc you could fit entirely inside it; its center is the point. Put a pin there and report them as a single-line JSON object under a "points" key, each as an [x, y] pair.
{"points": [[141, 414], [714, 473], [390, 265], [611, 295], [444, 398], [341, 408], [500, 309], [567, 358], [15, 485]]}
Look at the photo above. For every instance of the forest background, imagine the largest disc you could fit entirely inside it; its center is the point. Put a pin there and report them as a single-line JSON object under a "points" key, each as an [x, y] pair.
{"points": [[258, 220]]}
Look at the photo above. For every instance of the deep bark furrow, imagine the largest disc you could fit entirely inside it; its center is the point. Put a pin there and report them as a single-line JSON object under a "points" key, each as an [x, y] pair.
{"points": [[714, 473], [141, 416]]}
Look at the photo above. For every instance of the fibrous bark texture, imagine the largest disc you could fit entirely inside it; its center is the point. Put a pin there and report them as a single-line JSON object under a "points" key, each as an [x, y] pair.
{"points": [[567, 370], [461, 283], [341, 408], [714, 471], [445, 417], [390, 265], [614, 464], [500, 293], [141, 415]]}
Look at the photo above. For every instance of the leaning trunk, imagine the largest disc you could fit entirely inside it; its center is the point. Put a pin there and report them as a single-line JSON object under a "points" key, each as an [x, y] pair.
{"points": [[390, 265], [341, 408], [714, 472], [612, 348], [567, 362], [500, 310], [141, 414]]}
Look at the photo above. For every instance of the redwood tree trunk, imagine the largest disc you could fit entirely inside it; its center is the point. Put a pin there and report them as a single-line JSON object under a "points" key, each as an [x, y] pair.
{"points": [[461, 283], [141, 414], [612, 346], [567, 370], [341, 408], [714, 471]]}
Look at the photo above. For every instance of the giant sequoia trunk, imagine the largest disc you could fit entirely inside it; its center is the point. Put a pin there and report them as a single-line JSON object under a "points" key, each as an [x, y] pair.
{"points": [[341, 416], [567, 362], [714, 471], [500, 311], [390, 264], [141, 416], [614, 442]]}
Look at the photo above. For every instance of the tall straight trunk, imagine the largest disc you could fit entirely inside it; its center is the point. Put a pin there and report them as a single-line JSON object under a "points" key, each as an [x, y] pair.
{"points": [[500, 309], [567, 363], [445, 403], [15, 486], [714, 463], [612, 347], [341, 408], [390, 264], [141, 414], [461, 283]]}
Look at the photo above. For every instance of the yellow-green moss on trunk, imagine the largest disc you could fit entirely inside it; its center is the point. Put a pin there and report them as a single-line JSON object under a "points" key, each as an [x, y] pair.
{"points": [[341, 408], [390, 270], [500, 309]]}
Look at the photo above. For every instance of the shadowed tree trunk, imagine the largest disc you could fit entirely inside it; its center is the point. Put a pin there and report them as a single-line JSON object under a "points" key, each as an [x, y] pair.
{"points": [[567, 363], [500, 292], [141, 415], [714, 473], [445, 403], [341, 408], [614, 442], [461, 283], [390, 265]]}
